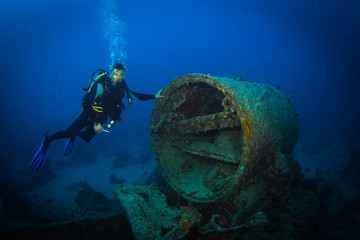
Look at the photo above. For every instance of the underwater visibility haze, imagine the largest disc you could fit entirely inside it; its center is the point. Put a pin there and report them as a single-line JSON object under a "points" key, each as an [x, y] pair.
{"points": [[297, 61]]}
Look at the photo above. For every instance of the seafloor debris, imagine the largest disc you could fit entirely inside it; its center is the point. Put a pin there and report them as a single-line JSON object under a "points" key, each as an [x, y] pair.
{"points": [[151, 217]]}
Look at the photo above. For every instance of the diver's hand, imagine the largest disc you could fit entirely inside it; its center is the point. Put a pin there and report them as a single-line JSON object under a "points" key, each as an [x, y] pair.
{"points": [[158, 94], [98, 127]]}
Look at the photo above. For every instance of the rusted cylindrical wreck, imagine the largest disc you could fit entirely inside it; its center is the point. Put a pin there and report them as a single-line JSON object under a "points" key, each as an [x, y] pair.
{"points": [[212, 134]]}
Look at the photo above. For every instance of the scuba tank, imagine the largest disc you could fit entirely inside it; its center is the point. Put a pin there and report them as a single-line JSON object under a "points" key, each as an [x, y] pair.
{"points": [[100, 72]]}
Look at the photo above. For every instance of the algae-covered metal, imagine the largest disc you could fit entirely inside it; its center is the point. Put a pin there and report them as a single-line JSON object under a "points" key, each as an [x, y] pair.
{"points": [[211, 134]]}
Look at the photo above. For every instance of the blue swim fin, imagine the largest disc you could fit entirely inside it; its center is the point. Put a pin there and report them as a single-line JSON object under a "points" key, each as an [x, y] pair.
{"points": [[40, 156], [69, 146], [38, 159]]}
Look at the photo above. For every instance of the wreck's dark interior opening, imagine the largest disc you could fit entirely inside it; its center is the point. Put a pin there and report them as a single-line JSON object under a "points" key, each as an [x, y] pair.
{"points": [[200, 99]]}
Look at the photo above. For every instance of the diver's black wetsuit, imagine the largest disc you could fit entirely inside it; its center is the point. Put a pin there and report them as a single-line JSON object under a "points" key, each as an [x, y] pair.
{"points": [[103, 102]]}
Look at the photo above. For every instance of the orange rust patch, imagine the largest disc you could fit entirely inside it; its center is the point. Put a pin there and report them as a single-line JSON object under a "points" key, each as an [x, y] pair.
{"points": [[192, 194], [185, 163], [247, 129], [184, 223]]}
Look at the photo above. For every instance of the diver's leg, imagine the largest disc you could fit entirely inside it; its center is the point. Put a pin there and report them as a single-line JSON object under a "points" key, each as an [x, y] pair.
{"points": [[89, 133], [72, 130]]}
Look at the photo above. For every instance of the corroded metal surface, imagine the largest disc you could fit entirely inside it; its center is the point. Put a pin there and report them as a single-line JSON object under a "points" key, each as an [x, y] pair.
{"points": [[211, 134]]}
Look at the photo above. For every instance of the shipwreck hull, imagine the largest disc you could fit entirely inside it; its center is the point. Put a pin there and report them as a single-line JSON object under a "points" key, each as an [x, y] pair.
{"points": [[211, 134]]}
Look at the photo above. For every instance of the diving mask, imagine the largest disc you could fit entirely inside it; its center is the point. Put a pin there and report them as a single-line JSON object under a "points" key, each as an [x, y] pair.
{"points": [[117, 74]]}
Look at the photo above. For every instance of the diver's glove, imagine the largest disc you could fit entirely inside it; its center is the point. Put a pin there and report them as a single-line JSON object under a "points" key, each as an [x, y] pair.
{"points": [[158, 94], [98, 127]]}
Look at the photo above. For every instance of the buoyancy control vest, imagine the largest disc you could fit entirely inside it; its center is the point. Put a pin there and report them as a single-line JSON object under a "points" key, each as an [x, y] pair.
{"points": [[104, 99]]}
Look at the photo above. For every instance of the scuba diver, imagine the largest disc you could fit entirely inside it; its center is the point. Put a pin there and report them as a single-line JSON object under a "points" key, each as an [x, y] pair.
{"points": [[101, 104]]}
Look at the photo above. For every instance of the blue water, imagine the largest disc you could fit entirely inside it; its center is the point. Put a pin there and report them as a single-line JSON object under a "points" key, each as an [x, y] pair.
{"points": [[49, 50]]}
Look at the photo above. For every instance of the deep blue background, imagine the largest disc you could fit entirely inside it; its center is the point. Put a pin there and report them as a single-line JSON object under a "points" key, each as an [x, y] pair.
{"points": [[50, 48]]}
